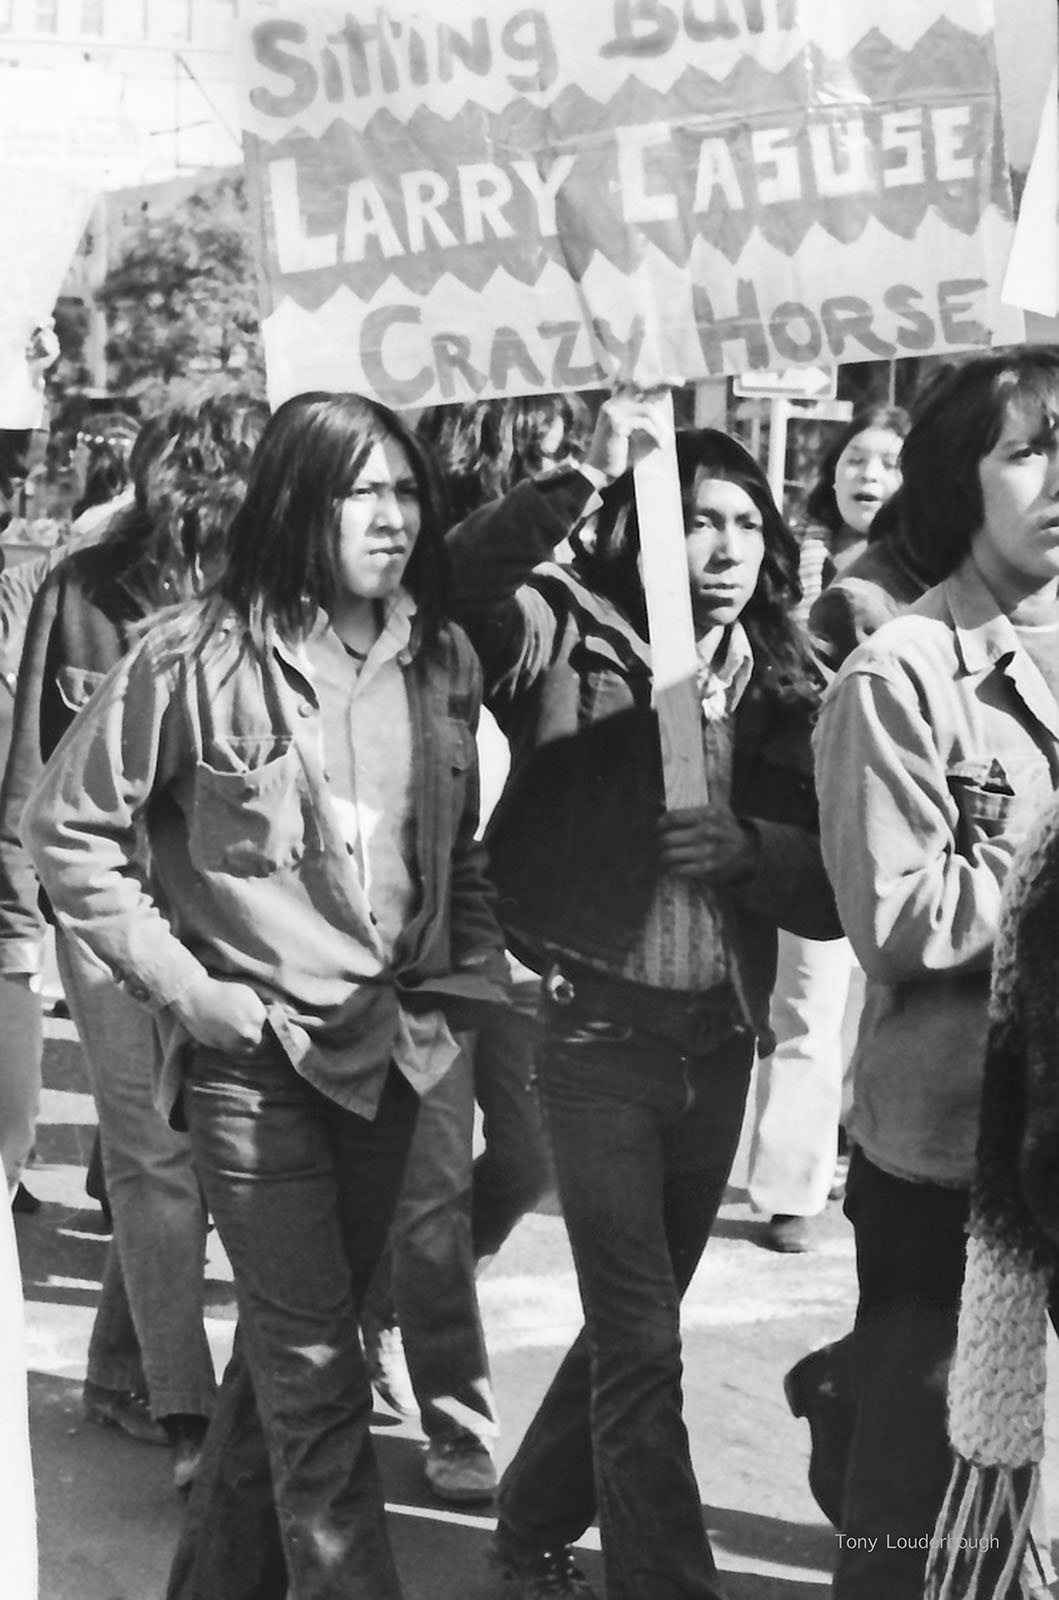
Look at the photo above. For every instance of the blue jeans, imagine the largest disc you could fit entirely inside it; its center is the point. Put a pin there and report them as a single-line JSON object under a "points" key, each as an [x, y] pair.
{"points": [[288, 1500], [643, 1139], [150, 1320]]}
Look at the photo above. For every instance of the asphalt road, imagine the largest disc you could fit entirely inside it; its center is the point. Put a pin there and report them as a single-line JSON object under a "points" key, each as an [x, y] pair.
{"points": [[108, 1516]]}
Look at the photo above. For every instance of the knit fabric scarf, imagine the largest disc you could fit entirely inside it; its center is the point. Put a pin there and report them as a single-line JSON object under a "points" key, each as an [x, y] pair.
{"points": [[997, 1384]]}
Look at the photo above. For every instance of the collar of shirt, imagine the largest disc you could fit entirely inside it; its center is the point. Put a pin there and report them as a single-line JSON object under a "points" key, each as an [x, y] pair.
{"points": [[984, 634], [397, 638], [985, 639], [722, 681]]}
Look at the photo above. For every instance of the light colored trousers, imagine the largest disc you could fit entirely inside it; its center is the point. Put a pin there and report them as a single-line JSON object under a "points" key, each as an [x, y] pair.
{"points": [[157, 1258], [801, 1088], [21, 1049], [18, 1523]]}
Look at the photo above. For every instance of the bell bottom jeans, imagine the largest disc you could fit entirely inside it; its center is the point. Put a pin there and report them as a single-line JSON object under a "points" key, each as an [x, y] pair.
{"points": [[643, 1140], [287, 1501]]}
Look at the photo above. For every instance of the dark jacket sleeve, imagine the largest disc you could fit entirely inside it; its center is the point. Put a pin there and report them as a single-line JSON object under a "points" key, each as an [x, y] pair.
{"points": [[777, 796], [21, 922], [846, 613], [491, 557]]}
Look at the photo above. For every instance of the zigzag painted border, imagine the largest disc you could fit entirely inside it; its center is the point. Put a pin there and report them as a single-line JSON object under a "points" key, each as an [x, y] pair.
{"points": [[854, 118], [576, 37]]}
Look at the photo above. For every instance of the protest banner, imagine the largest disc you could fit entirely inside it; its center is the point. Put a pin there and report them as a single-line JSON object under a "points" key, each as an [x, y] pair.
{"points": [[487, 199], [484, 199], [44, 217]]}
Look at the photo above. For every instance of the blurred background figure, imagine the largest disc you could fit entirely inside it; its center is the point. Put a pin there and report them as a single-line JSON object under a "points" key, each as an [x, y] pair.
{"points": [[794, 1163], [150, 1372], [18, 1524], [101, 464]]}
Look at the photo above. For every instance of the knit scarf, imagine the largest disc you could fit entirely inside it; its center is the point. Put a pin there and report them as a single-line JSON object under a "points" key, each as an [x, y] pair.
{"points": [[997, 1384]]}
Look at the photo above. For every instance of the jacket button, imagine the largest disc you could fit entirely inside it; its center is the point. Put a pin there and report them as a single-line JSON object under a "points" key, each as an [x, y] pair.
{"points": [[305, 709]]}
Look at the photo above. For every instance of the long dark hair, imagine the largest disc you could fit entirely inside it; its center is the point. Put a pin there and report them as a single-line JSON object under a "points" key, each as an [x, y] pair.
{"points": [[820, 504], [279, 570], [485, 447], [189, 468], [611, 565], [957, 419]]}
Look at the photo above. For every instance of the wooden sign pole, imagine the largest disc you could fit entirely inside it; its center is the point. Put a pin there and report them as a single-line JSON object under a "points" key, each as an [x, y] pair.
{"points": [[670, 628]]}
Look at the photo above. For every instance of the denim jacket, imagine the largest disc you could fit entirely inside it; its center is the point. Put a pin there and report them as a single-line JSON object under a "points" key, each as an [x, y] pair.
{"points": [[216, 754], [937, 746], [572, 840]]}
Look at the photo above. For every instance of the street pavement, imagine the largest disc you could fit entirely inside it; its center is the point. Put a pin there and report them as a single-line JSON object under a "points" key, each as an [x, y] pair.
{"points": [[109, 1517]]}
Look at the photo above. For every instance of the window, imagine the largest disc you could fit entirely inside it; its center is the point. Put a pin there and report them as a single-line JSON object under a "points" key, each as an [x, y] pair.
{"points": [[47, 16], [92, 17]]}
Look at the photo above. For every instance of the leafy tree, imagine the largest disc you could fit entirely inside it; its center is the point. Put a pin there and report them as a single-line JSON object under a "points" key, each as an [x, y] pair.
{"points": [[180, 298]]}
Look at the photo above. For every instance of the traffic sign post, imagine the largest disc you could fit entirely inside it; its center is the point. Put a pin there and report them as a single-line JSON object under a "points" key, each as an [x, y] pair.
{"points": [[796, 383]]}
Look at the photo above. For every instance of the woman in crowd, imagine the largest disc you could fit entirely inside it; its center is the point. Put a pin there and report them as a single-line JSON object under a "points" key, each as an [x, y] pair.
{"points": [[298, 749], [859, 472], [656, 933], [938, 745], [800, 1086], [150, 1371]]}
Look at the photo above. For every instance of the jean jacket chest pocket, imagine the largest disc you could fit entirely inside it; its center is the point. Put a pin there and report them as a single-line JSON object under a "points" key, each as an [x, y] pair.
{"points": [[995, 798], [246, 818]]}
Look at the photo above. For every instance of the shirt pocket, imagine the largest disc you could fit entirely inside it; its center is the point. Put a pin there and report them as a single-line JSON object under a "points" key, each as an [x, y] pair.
{"points": [[995, 798], [76, 686], [246, 820]]}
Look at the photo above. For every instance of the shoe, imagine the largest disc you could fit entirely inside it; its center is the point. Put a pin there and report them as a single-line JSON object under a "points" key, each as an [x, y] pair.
{"points": [[792, 1236], [814, 1390], [25, 1204], [121, 1408], [539, 1574], [459, 1468], [186, 1435], [388, 1369]]}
